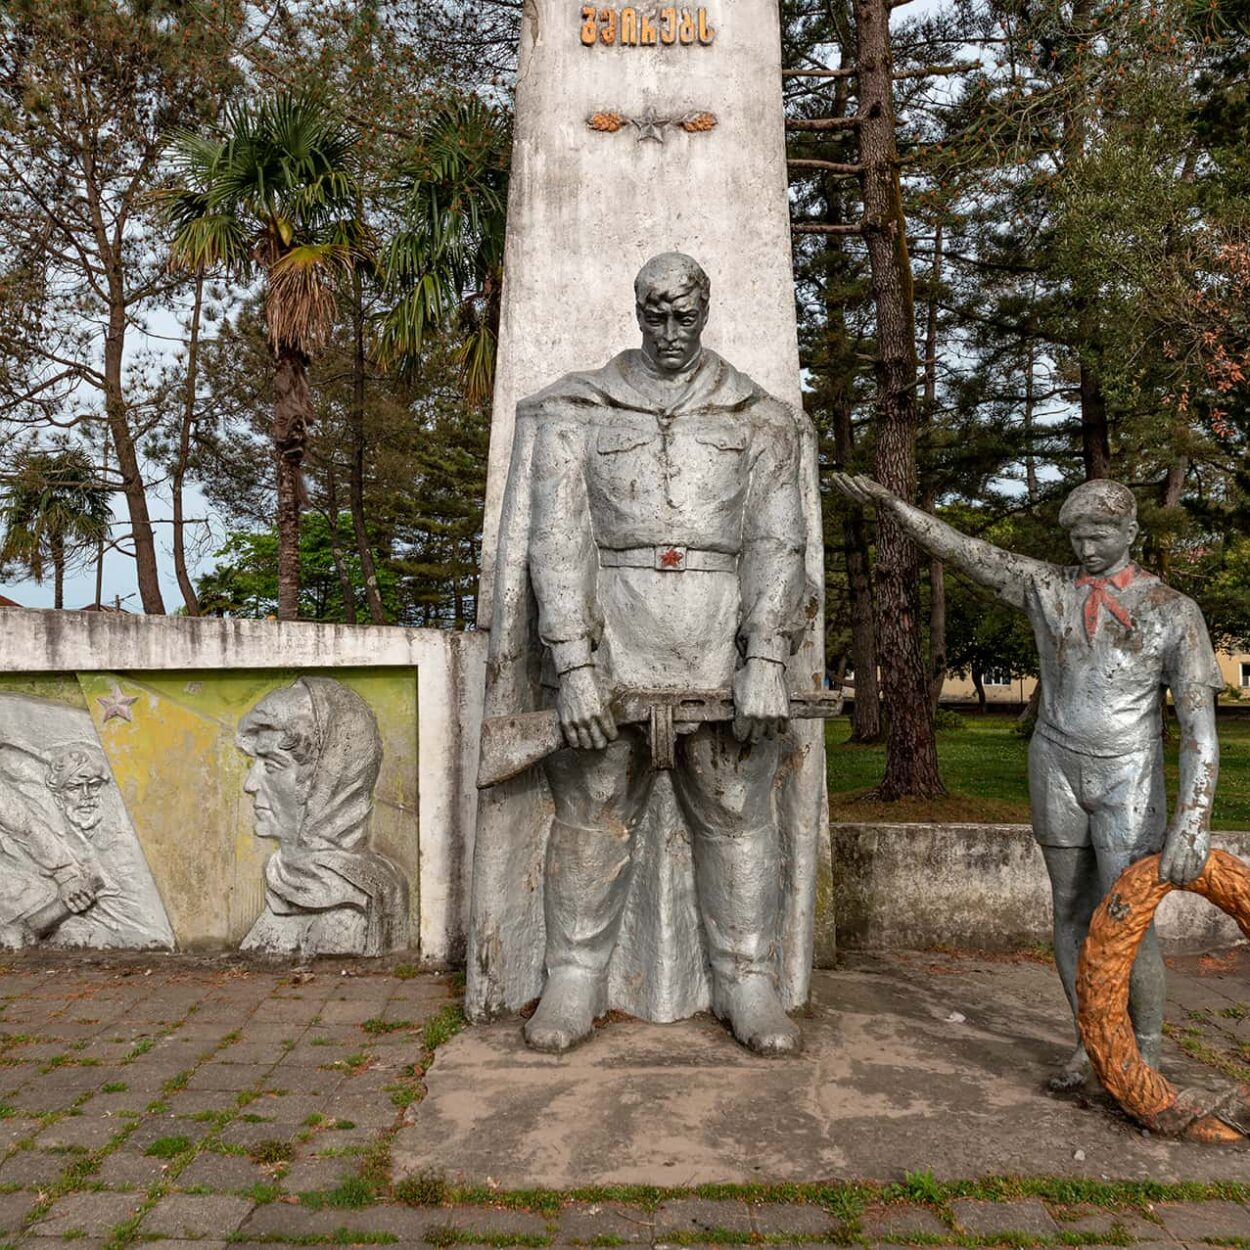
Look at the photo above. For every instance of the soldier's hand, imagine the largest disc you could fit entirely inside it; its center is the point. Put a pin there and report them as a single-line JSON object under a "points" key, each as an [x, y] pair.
{"points": [[584, 713], [861, 489], [1184, 855], [761, 701]]}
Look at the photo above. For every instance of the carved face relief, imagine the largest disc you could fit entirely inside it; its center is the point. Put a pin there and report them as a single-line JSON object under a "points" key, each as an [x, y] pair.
{"points": [[1102, 545], [277, 734], [76, 777], [672, 329]]}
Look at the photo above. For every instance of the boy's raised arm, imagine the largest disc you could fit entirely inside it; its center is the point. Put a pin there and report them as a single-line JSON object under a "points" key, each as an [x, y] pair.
{"points": [[1004, 572]]}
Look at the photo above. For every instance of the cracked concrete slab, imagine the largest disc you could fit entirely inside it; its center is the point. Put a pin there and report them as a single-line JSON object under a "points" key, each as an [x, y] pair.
{"points": [[912, 1062]]}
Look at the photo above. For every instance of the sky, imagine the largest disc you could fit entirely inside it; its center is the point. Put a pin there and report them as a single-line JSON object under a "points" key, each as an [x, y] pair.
{"points": [[119, 584]]}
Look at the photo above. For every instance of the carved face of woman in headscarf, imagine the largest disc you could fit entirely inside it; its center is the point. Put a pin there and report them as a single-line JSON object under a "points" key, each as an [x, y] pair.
{"points": [[76, 776], [280, 734]]}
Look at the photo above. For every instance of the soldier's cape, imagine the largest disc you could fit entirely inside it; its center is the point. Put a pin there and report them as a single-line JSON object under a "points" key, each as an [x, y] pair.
{"points": [[659, 970]]}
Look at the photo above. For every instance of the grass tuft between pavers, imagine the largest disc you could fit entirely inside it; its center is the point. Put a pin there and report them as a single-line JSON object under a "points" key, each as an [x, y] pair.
{"points": [[446, 1235]]}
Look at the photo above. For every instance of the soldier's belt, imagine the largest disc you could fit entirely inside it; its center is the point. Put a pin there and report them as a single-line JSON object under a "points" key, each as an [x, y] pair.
{"points": [[669, 558]]}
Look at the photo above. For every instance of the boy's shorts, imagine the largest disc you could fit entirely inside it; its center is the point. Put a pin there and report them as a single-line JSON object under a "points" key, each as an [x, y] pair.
{"points": [[1113, 803]]}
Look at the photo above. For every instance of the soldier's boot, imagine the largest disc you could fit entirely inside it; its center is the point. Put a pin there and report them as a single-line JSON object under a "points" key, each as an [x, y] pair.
{"points": [[738, 881], [586, 883]]}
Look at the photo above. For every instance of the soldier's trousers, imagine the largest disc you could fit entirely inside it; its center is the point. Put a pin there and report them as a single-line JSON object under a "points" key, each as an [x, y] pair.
{"points": [[725, 792]]}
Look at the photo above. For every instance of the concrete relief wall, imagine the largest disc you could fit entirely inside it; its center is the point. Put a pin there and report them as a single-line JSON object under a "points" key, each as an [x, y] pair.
{"points": [[375, 729], [72, 871], [146, 810]]}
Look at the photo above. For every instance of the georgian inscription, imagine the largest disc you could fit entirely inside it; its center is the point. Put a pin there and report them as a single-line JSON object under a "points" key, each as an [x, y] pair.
{"points": [[645, 28]]}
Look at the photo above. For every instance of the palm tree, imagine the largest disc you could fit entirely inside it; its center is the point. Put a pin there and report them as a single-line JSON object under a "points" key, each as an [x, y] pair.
{"points": [[445, 263], [53, 508], [276, 192]]}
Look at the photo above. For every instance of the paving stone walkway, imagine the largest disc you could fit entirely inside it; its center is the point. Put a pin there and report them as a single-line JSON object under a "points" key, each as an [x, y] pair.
{"points": [[184, 1102]]}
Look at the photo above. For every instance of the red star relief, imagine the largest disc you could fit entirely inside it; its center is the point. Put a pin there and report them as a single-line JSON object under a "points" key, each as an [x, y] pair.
{"points": [[670, 559]]}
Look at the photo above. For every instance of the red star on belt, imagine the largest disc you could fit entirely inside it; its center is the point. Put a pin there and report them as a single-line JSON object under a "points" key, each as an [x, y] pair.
{"points": [[670, 559]]}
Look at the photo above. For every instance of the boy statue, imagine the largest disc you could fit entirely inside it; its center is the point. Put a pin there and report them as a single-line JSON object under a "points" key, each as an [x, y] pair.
{"points": [[1109, 637]]}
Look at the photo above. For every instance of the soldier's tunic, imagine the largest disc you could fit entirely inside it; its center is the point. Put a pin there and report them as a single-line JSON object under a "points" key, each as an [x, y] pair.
{"points": [[666, 546], [661, 533], [667, 529]]}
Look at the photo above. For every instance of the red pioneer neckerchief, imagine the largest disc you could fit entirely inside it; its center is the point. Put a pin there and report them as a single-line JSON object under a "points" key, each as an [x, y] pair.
{"points": [[1099, 597]]}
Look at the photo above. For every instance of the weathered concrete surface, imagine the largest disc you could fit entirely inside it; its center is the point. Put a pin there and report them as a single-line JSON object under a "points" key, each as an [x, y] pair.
{"points": [[450, 669], [586, 208], [912, 1062], [979, 887]]}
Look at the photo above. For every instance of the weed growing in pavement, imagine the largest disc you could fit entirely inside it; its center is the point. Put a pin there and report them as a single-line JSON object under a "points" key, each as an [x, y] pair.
{"points": [[272, 1150], [426, 1189], [377, 1028], [920, 1187], [443, 1027], [445, 1235], [114, 1087], [351, 1193], [169, 1147]]}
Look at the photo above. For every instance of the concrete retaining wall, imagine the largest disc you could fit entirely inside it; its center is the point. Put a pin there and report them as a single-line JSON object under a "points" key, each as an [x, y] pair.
{"points": [[192, 671], [976, 886]]}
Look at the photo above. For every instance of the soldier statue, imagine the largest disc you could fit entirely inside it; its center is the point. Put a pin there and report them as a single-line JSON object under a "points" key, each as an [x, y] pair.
{"points": [[665, 550], [1110, 636]]}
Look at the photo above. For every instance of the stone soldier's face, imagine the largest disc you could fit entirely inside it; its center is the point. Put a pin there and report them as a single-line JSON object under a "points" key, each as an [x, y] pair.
{"points": [[1101, 545], [79, 799], [672, 329]]}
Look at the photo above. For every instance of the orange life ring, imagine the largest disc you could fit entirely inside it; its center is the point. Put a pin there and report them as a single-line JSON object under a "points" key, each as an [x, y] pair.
{"points": [[1102, 981]]}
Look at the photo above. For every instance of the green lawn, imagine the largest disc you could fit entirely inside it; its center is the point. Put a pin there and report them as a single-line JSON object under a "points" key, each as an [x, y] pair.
{"points": [[984, 766]]}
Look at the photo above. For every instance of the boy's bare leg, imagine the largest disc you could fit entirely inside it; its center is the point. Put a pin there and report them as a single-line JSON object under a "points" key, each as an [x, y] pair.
{"points": [[1076, 890]]}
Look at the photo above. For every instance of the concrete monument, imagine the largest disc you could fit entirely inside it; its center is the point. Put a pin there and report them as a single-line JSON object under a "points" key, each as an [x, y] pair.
{"points": [[71, 869], [1110, 636], [317, 753], [654, 519]]}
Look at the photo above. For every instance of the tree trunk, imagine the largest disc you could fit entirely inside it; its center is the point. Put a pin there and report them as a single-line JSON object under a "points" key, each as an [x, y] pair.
{"points": [[346, 589], [185, 584], [1170, 491], [356, 479], [866, 710], [58, 572], [292, 414], [979, 685], [911, 751], [937, 574], [128, 463], [937, 633], [866, 717], [1030, 405], [1095, 439], [99, 547]]}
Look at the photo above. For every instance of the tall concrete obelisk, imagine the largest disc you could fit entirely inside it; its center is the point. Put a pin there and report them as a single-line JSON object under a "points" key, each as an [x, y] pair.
{"points": [[605, 175], [639, 130]]}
